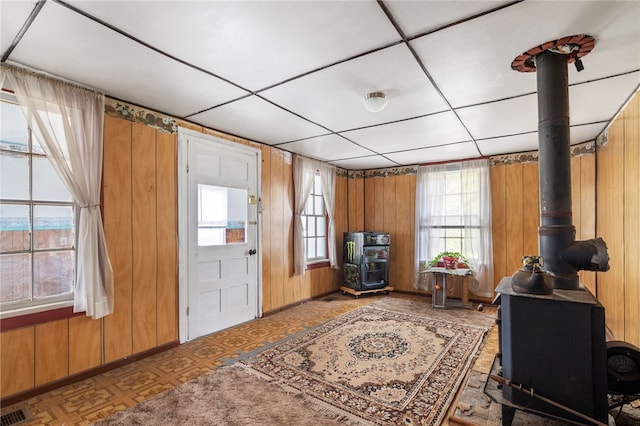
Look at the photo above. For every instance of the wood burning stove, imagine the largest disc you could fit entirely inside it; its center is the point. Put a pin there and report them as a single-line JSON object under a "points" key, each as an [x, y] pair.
{"points": [[552, 330]]}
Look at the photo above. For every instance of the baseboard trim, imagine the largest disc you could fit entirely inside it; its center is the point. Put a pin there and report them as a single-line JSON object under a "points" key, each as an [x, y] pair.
{"points": [[21, 396]]}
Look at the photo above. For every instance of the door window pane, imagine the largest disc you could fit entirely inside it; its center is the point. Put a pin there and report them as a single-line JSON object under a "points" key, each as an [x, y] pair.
{"points": [[222, 215]]}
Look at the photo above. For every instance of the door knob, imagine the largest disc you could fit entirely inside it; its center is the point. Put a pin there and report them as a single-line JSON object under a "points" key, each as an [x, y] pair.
{"points": [[252, 252]]}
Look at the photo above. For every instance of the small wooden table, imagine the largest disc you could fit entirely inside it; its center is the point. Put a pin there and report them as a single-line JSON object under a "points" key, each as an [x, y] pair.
{"points": [[439, 298]]}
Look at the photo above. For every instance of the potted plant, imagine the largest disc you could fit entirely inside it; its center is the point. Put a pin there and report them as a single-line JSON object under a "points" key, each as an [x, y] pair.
{"points": [[450, 260]]}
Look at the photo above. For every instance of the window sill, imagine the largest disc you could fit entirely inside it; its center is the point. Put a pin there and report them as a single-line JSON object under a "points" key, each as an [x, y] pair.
{"points": [[318, 264], [37, 315]]}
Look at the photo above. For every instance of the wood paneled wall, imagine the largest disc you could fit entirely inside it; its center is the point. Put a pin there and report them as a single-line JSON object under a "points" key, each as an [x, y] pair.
{"points": [[280, 286], [515, 210], [140, 221], [140, 218], [387, 205], [618, 223]]}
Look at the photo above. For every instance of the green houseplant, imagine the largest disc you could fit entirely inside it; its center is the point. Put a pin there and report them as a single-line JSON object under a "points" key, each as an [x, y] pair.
{"points": [[450, 260]]}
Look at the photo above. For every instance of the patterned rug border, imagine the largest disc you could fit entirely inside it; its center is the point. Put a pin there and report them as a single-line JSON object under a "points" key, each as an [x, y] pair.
{"points": [[398, 307]]}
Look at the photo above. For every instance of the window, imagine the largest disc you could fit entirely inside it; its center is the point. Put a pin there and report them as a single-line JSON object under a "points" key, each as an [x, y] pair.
{"points": [[37, 222], [314, 221], [449, 229], [454, 214]]}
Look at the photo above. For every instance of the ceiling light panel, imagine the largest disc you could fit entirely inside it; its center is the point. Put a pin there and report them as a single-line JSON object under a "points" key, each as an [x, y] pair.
{"points": [[333, 96], [255, 44], [83, 51]]}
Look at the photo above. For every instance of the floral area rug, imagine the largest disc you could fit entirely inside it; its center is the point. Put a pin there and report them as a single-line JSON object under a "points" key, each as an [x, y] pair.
{"points": [[375, 365], [393, 362]]}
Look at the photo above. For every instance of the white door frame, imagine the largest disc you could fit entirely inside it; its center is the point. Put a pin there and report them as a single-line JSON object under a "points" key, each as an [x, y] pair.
{"points": [[183, 246]]}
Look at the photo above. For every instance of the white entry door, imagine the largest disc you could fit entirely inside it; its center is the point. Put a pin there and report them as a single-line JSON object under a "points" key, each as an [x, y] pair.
{"points": [[222, 234]]}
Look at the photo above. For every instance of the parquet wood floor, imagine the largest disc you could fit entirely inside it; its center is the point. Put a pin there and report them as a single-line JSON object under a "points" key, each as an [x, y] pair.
{"points": [[98, 397]]}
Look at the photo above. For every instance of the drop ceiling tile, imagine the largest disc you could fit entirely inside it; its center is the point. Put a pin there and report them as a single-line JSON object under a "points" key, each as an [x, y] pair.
{"points": [[509, 144], [601, 100], [254, 44], [90, 54], [364, 163], [256, 119], [471, 62], [326, 148], [333, 97], [437, 129], [529, 141], [586, 132], [508, 117], [12, 15], [420, 17], [435, 154]]}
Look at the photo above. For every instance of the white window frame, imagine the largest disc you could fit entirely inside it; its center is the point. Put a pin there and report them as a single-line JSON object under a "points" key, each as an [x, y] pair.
{"points": [[312, 214], [62, 300]]}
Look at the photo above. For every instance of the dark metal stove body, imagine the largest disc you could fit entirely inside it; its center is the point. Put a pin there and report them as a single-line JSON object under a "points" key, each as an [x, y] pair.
{"points": [[554, 344]]}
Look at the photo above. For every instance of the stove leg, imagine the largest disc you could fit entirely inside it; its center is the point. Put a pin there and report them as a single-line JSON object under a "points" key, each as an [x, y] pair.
{"points": [[507, 415]]}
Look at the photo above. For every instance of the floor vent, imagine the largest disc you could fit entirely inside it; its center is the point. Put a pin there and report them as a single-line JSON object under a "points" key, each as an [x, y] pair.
{"points": [[15, 417]]}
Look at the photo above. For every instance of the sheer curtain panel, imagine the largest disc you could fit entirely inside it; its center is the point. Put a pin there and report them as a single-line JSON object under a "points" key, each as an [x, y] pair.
{"points": [[304, 170], [68, 122], [458, 212]]}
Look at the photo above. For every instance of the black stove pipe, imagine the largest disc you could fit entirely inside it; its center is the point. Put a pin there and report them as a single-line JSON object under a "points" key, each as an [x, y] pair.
{"points": [[562, 255]]}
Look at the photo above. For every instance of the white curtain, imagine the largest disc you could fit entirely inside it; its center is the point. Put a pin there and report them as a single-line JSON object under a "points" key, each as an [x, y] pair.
{"points": [[304, 170], [475, 218], [68, 122], [328, 179]]}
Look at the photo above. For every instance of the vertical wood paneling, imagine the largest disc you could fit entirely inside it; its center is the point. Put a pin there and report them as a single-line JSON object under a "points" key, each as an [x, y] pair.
{"points": [[402, 240], [117, 228], [369, 204], [378, 204], [277, 224], [85, 349], [631, 118], [355, 196], [265, 192], [341, 222], [17, 349], [610, 212], [588, 211], [499, 222], [167, 223], [514, 220], [389, 221], [51, 351], [530, 209], [576, 195], [144, 208]]}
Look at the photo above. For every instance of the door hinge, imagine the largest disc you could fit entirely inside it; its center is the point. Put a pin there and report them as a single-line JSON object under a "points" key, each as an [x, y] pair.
{"points": [[187, 311], [187, 167]]}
